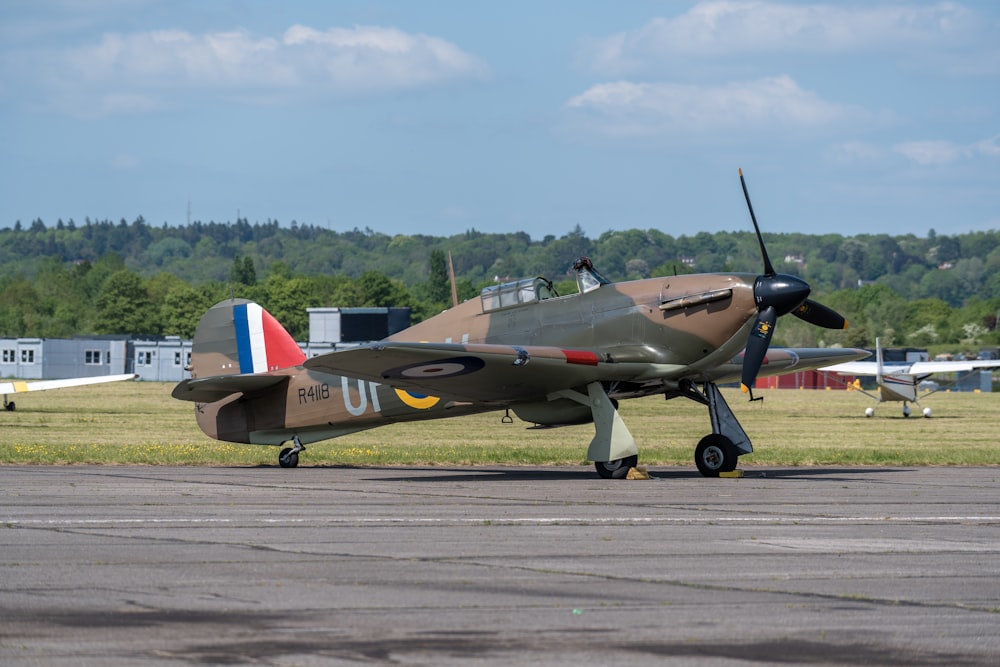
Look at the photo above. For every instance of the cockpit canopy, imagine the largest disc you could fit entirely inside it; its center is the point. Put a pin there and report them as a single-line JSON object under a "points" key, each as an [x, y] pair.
{"points": [[529, 290], [506, 295]]}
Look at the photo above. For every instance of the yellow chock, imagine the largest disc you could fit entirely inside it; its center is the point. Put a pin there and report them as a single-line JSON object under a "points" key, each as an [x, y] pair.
{"points": [[639, 472], [735, 473]]}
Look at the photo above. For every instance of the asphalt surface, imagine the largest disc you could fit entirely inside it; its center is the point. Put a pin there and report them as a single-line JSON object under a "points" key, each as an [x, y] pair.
{"points": [[111, 565]]}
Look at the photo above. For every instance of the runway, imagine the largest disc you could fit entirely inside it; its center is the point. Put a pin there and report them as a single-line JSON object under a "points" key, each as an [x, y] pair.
{"points": [[112, 565]]}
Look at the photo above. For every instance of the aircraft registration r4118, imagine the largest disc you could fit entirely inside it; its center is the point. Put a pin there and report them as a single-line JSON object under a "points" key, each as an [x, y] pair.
{"points": [[551, 359]]}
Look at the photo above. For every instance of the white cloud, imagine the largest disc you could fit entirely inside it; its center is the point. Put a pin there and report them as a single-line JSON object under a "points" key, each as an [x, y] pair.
{"points": [[931, 152], [140, 71], [777, 103], [854, 151], [729, 27], [989, 147], [938, 152]]}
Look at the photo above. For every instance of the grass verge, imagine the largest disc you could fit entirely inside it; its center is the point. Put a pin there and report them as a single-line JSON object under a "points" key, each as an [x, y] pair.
{"points": [[139, 423]]}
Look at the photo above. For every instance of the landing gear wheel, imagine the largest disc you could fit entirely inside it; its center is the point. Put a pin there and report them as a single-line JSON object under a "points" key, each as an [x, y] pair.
{"points": [[9, 406], [616, 469], [288, 458], [714, 454]]}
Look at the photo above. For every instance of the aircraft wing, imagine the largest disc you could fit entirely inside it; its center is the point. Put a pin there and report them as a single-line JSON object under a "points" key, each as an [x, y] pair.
{"points": [[483, 373], [923, 367], [783, 360], [915, 368], [503, 373], [17, 387], [856, 368]]}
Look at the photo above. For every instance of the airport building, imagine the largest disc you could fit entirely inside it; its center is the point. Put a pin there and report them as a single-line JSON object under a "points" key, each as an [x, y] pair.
{"points": [[165, 358]]}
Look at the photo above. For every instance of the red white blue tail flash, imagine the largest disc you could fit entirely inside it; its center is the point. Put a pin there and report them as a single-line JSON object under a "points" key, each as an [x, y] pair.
{"points": [[262, 343]]}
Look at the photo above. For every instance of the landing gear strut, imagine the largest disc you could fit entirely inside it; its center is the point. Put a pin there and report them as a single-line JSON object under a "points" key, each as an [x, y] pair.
{"points": [[289, 456], [719, 451]]}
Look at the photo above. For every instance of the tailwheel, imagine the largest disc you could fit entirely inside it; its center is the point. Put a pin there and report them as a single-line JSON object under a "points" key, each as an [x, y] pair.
{"points": [[289, 456], [616, 469], [714, 454]]}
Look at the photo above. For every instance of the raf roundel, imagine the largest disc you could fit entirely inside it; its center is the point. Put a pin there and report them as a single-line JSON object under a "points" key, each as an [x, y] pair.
{"points": [[441, 368]]}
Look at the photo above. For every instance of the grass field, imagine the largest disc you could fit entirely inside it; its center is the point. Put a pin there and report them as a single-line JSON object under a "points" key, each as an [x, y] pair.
{"points": [[139, 423]]}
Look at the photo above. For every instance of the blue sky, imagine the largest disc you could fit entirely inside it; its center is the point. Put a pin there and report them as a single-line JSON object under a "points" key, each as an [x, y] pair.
{"points": [[440, 117]]}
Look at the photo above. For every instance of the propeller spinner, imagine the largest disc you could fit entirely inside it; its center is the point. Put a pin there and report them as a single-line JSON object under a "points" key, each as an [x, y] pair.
{"points": [[777, 294]]}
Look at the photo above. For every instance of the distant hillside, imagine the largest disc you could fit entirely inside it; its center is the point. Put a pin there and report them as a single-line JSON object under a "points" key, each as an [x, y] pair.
{"points": [[62, 278], [952, 268]]}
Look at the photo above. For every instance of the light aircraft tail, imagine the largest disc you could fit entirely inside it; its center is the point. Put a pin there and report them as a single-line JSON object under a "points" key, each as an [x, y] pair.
{"points": [[239, 337], [878, 361], [894, 386]]}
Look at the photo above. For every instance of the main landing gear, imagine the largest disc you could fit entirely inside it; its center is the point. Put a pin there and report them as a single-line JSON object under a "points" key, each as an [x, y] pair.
{"points": [[614, 452], [719, 451], [289, 456]]}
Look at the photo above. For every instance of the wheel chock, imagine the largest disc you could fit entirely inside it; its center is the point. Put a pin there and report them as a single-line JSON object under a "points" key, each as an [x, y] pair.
{"points": [[638, 472], [735, 473]]}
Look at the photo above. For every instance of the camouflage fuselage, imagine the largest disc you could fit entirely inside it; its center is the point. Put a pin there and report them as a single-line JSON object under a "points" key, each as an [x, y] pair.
{"points": [[694, 321]]}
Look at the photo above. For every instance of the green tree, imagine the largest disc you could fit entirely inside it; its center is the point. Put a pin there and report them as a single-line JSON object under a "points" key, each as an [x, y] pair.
{"points": [[243, 271], [182, 305], [439, 284], [379, 290], [124, 307]]}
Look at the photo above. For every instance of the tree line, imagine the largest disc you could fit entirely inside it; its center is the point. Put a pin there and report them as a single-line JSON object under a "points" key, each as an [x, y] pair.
{"points": [[103, 277]]}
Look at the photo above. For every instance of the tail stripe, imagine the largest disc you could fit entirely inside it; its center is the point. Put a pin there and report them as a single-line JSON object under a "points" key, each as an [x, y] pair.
{"points": [[249, 325]]}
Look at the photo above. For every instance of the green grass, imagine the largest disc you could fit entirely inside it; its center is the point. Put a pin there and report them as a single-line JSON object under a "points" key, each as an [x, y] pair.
{"points": [[139, 423]]}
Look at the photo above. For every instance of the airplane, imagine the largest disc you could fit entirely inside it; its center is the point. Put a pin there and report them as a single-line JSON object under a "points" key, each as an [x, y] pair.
{"points": [[899, 381], [20, 386], [552, 359]]}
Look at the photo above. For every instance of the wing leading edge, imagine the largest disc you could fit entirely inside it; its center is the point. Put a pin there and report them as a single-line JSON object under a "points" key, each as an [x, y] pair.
{"points": [[483, 373], [18, 387]]}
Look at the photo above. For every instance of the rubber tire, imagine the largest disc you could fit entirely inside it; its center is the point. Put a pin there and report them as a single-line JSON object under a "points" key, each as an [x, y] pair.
{"points": [[715, 453], [288, 459], [616, 469]]}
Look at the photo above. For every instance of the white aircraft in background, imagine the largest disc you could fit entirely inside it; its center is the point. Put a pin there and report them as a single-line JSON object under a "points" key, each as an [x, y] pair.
{"points": [[898, 381], [19, 386]]}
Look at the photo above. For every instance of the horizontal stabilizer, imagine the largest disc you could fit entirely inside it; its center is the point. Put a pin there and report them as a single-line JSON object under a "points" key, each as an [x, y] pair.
{"points": [[211, 389]]}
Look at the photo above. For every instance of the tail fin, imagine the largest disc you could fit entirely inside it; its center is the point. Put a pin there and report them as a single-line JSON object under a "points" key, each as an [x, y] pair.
{"points": [[878, 360], [238, 336]]}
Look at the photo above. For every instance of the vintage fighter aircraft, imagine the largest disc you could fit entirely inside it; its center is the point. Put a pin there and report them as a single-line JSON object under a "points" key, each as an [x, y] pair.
{"points": [[900, 381], [19, 386], [551, 359]]}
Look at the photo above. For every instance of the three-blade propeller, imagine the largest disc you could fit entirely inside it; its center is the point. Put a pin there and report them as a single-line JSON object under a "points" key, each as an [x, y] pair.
{"points": [[777, 294]]}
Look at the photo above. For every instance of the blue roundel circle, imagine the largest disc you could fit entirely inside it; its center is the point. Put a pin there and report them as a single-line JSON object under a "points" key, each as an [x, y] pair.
{"points": [[439, 368]]}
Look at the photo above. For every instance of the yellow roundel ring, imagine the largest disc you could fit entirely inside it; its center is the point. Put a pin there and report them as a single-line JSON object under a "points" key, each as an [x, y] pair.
{"points": [[418, 401]]}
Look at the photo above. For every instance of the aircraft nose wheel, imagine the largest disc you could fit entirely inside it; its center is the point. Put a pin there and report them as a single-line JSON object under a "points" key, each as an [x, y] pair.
{"points": [[714, 454]]}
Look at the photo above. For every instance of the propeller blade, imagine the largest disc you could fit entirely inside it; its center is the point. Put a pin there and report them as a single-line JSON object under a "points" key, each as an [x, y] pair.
{"points": [[757, 344], [768, 268], [820, 315], [777, 294]]}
